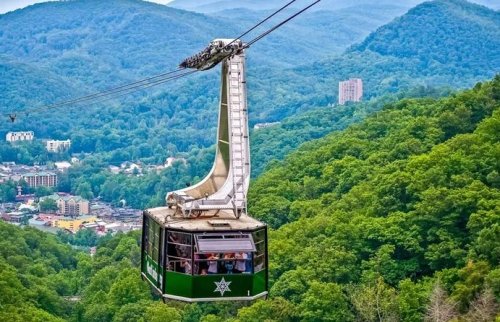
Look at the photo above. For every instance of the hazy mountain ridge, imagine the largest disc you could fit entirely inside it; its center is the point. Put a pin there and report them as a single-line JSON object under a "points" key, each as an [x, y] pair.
{"points": [[334, 30], [403, 37], [412, 62], [217, 5]]}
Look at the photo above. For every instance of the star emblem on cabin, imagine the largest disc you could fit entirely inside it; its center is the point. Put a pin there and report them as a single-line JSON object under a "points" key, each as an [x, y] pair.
{"points": [[222, 286]]}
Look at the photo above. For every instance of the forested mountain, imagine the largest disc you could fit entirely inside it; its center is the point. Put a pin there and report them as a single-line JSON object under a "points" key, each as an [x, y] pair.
{"points": [[412, 192], [403, 38], [88, 45], [434, 53], [78, 47], [333, 31], [395, 218]]}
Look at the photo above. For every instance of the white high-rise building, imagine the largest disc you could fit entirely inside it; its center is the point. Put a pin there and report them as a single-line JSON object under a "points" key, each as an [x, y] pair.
{"points": [[20, 136], [350, 90], [57, 145]]}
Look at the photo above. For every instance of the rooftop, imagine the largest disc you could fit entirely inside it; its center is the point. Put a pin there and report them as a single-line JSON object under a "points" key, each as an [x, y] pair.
{"points": [[67, 198], [41, 173]]}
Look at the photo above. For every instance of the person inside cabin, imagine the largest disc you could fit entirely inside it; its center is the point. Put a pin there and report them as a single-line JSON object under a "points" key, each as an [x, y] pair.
{"points": [[173, 251], [200, 263], [212, 264], [229, 262], [249, 262], [186, 264], [241, 262]]}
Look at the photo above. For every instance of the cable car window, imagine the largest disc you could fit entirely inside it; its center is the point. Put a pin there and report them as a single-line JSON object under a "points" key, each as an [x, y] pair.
{"points": [[179, 250], [153, 239], [259, 259], [225, 244], [223, 253], [156, 244], [146, 235]]}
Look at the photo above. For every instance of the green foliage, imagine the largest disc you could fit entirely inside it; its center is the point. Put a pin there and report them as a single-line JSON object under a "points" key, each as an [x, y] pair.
{"points": [[43, 191], [48, 205], [8, 191], [378, 222], [412, 300], [277, 309], [30, 262], [384, 205], [325, 302], [159, 312]]}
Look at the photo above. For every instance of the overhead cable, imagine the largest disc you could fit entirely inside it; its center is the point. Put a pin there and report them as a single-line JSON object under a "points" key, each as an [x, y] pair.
{"points": [[260, 23], [253, 41]]}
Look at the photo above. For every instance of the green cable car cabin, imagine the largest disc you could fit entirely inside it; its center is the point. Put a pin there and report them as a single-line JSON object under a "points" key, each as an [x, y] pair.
{"points": [[204, 259], [203, 246]]}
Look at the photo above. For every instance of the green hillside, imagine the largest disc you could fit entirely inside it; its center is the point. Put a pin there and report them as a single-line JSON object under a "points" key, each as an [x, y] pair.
{"points": [[440, 44], [86, 45], [427, 46], [395, 218], [333, 30], [272, 144], [403, 38], [411, 193]]}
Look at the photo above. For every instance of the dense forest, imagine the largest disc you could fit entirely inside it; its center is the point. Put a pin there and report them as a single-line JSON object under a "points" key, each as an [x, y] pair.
{"points": [[91, 178], [149, 127], [83, 46], [394, 218]]}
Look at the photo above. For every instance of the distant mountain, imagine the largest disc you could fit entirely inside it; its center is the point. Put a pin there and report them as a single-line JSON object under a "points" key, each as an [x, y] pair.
{"points": [[90, 45], [98, 42], [78, 47], [455, 32], [333, 31], [208, 6], [440, 43]]}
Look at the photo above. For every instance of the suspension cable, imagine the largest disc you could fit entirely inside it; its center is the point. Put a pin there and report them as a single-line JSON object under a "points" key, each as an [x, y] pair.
{"points": [[128, 88], [141, 87], [260, 23], [253, 41], [160, 78]]}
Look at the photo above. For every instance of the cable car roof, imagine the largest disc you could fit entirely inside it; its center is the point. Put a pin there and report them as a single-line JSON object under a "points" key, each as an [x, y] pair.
{"points": [[222, 220]]}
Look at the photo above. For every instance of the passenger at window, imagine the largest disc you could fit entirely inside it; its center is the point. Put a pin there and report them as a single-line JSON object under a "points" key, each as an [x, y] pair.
{"points": [[212, 264], [229, 263], [187, 266], [200, 263], [241, 259]]}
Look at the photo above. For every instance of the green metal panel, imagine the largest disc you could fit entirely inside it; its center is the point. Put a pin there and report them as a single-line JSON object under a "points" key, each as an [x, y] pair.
{"points": [[230, 285], [153, 272], [215, 286], [178, 284], [259, 282]]}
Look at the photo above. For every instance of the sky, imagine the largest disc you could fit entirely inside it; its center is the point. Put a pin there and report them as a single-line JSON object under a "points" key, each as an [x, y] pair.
{"points": [[10, 5]]}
